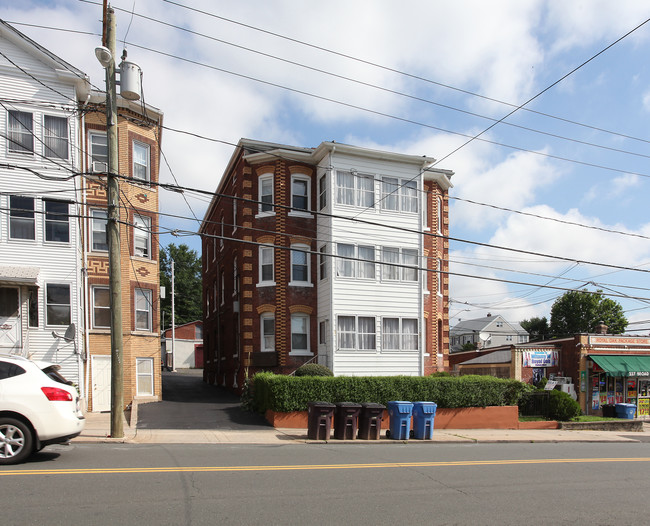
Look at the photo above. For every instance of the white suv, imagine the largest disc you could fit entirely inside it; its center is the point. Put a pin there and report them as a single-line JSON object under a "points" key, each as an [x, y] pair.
{"points": [[38, 407]]}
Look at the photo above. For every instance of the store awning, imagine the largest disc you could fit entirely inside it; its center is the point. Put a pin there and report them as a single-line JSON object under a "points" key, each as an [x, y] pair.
{"points": [[623, 365]]}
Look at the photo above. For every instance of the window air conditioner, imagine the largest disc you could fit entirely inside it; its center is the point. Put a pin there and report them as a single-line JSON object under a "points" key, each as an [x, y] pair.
{"points": [[99, 167]]}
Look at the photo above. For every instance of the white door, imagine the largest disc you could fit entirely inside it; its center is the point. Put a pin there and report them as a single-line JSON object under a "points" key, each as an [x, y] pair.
{"points": [[9, 318], [101, 375]]}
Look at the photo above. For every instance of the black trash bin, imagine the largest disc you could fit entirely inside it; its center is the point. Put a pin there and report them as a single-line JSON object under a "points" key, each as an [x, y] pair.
{"points": [[609, 410], [345, 420], [370, 421], [319, 420]]}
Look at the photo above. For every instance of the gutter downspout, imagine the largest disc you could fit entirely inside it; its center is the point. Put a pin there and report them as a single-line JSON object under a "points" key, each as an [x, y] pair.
{"points": [[84, 229], [424, 277]]}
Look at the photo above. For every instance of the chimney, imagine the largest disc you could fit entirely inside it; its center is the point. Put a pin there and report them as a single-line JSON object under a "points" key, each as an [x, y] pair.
{"points": [[601, 328]]}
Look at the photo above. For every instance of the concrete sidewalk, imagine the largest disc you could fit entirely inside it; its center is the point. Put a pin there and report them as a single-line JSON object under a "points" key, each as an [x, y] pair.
{"points": [[98, 430]]}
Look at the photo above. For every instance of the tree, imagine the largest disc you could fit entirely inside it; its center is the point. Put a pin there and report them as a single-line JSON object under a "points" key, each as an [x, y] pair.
{"points": [[187, 282], [580, 311], [537, 328]]}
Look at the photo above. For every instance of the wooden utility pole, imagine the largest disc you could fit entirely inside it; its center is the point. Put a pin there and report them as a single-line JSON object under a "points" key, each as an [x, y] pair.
{"points": [[113, 234]]}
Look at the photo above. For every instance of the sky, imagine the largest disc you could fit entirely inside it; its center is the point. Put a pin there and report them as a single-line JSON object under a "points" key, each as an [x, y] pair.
{"points": [[553, 196]]}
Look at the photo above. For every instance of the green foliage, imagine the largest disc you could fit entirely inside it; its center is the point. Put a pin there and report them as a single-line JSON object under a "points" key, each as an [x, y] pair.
{"points": [[562, 407], [439, 374], [290, 393], [537, 328], [579, 311], [247, 402], [187, 282], [542, 383], [469, 346], [313, 369]]}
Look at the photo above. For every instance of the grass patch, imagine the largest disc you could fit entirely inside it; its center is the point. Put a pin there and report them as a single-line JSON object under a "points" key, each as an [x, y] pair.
{"points": [[593, 418]]}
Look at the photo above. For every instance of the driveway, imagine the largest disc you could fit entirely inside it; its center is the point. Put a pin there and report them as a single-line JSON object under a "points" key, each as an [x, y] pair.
{"points": [[189, 403]]}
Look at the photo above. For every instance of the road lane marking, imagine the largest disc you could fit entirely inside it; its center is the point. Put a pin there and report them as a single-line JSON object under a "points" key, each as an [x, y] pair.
{"points": [[308, 467]]}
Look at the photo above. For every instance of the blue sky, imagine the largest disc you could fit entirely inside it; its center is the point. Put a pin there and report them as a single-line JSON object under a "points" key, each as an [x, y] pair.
{"points": [[590, 166]]}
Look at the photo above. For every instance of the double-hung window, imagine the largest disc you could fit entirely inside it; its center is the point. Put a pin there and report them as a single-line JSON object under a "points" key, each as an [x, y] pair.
{"points": [[267, 326], [399, 194], [356, 333], [20, 137], [141, 157], [300, 266], [300, 193], [57, 222], [410, 258], [300, 333], [390, 260], [344, 188], [322, 192], [345, 265], [267, 268], [144, 376], [98, 151], [355, 189], [99, 241], [21, 217], [142, 236], [365, 191], [55, 137], [57, 304], [101, 307], [143, 321], [366, 262], [265, 191], [322, 263], [399, 334]]}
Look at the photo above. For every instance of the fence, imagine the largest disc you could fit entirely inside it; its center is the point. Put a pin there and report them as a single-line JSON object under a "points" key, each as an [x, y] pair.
{"points": [[535, 404]]}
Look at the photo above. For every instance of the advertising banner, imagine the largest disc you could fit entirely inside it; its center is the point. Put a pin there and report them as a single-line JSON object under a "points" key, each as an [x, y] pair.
{"points": [[541, 359]]}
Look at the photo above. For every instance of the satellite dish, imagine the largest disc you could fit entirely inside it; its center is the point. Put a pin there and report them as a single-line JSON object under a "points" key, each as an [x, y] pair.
{"points": [[484, 336]]}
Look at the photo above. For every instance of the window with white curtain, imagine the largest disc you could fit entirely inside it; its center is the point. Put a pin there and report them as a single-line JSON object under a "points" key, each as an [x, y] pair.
{"points": [[356, 333], [399, 194], [399, 334], [410, 258], [20, 137], [365, 191], [366, 332], [390, 193], [344, 267], [367, 262], [390, 258], [409, 193], [267, 325], [344, 188], [346, 330], [55, 137]]}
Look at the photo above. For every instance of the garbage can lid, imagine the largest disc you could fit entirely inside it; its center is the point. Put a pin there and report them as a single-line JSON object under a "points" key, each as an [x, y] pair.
{"points": [[373, 405], [321, 404], [348, 404]]}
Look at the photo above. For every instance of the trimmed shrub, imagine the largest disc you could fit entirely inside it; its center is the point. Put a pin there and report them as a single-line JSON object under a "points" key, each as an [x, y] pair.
{"points": [[562, 407], [288, 393], [313, 369]]}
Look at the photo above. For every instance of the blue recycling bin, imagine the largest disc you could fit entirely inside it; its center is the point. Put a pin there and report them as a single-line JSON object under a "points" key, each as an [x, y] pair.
{"points": [[625, 411], [399, 414], [424, 414]]}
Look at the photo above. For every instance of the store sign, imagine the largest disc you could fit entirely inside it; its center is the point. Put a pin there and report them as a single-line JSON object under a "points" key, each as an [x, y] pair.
{"points": [[541, 359], [639, 373]]}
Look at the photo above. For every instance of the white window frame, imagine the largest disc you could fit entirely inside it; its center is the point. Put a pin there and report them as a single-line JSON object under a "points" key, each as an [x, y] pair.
{"points": [[143, 297], [142, 232], [20, 131], [55, 219], [51, 304], [396, 193], [22, 216], [146, 149], [298, 250], [101, 308], [98, 162], [400, 336], [265, 250], [49, 134], [366, 268], [355, 335], [390, 270], [345, 268], [322, 192], [267, 339], [301, 212], [306, 320], [261, 180], [410, 272], [323, 267], [97, 216], [146, 375]]}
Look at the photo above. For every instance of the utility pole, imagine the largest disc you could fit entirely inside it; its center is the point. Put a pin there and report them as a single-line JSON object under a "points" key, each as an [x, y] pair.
{"points": [[113, 234], [173, 364]]}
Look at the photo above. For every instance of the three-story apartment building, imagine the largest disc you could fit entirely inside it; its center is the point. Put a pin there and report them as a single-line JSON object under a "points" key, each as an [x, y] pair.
{"points": [[335, 254]]}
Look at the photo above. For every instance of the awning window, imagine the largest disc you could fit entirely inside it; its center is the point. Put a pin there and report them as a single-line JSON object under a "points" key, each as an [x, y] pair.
{"points": [[623, 365]]}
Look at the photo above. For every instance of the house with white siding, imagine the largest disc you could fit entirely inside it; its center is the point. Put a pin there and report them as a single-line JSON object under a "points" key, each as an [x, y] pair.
{"points": [[40, 251], [483, 333], [336, 254]]}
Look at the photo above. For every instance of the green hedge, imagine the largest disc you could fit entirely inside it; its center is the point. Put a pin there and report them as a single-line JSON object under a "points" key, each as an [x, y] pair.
{"points": [[289, 393]]}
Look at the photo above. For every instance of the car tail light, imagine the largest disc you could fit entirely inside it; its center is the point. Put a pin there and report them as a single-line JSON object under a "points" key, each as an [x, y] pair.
{"points": [[54, 394]]}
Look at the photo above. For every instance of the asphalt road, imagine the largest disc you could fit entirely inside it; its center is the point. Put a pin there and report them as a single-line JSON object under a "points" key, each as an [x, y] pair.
{"points": [[354, 483], [189, 403]]}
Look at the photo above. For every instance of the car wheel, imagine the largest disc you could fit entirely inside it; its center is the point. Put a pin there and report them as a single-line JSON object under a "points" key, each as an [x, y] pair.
{"points": [[16, 441]]}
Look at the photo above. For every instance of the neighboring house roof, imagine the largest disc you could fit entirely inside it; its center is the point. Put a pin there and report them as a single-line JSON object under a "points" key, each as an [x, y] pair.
{"points": [[504, 356], [484, 324]]}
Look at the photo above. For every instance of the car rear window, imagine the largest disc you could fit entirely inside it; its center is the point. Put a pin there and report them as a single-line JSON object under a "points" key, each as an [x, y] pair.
{"points": [[9, 370], [54, 374]]}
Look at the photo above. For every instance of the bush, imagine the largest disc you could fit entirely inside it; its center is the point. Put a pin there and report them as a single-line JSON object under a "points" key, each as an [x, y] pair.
{"points": [[562, 407], [313, 369], [289, 393], [439, 374]]}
